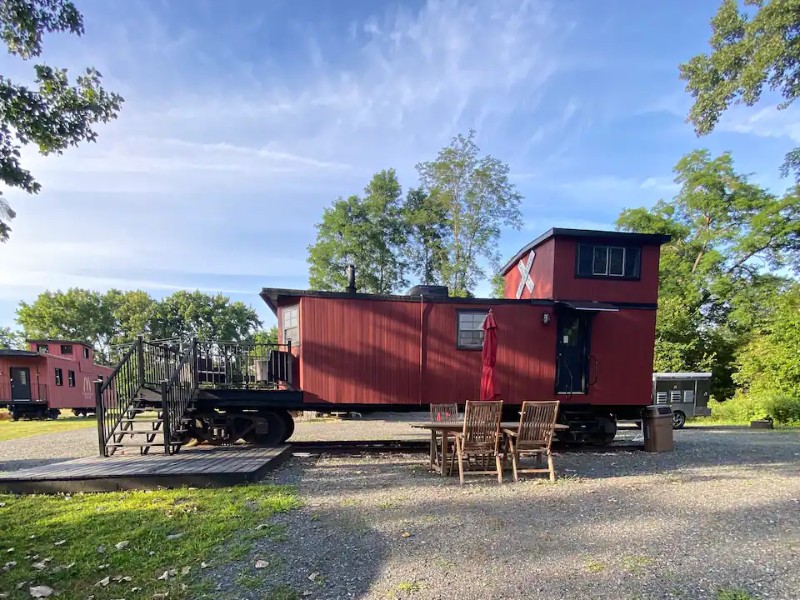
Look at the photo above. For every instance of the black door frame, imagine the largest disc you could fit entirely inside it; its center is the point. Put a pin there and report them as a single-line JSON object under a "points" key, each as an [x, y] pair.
{"points": [[27, 370], [586, 318]]}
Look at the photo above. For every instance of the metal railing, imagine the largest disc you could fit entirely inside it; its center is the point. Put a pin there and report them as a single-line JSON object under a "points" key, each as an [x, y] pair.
{"points": [[38, 393], [242, 365], [176, 394]]}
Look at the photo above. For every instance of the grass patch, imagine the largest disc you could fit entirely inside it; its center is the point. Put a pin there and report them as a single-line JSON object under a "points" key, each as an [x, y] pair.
{"points": [[593, 566], [282, 592], [636, 564], [733, 594], [62, 541], [408, 587], [11, 430]]}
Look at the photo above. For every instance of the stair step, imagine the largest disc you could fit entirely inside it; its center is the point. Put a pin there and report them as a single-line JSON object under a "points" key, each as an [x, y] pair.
{"points": [[134, 444], [135, 420], [138, 432]]}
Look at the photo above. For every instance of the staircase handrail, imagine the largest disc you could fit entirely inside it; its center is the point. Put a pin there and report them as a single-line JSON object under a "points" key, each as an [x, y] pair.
{"points": [[177, 392]]}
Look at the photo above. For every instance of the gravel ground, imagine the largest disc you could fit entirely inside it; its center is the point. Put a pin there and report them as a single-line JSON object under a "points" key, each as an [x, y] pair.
{"points": [[721, 512]]}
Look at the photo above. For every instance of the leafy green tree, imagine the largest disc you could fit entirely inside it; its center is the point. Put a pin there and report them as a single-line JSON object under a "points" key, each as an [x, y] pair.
{"points": [[205, 316], [478, 200], [367, 232], [133, 313], [11, 339], [769, 363], [76, 314], [54, 114], [750, 50], [426, 222], [726, 235], [498, 283], [266, 336]]}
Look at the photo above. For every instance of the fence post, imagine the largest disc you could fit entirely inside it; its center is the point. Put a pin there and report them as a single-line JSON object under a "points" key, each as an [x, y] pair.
{"points": [[165, 416], [289, 366], [140, 358], [101, 416], [194, 363]]}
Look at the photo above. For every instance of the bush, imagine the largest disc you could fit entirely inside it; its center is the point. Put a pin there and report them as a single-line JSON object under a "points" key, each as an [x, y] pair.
{"points": [[784, 409], [743, 408]]}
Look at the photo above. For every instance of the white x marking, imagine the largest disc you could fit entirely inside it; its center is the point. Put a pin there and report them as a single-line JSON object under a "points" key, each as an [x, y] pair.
{"points": [[524, 268]]}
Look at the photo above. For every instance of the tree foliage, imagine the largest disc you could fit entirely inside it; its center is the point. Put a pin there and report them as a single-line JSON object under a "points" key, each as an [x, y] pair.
{"points": [[727, 234], [426, 225], [11, 339], [53, 114], [477, 199], [117, 317], [750, 50], [367, 232]]}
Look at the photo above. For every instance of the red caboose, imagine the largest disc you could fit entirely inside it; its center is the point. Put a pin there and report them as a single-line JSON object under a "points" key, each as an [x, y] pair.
{"points": [[577, 324], [51, 375]]}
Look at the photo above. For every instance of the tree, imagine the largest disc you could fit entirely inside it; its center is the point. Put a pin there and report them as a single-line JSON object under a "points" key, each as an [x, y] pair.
{"points": [[769, 363], [81, 315], [207, 317], [477, 199], [11, 339], [748, 52], [368, 233], [133, 313], [426, 222], [727, 233], [53, 115], [266, 336]]}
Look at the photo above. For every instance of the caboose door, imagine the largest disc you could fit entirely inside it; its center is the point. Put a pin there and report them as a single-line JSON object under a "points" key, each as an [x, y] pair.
{"points": [[20, 383], [572, 353]]}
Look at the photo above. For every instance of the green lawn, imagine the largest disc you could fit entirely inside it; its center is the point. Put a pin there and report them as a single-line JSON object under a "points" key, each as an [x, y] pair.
{"points": [[127, 540], [10, 430]]}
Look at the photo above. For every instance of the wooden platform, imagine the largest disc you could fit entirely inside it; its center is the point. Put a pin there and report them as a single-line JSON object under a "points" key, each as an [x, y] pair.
{"points": [[198, 467]]}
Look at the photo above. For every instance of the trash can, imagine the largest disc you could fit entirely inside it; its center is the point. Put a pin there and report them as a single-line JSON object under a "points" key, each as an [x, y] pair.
{"points": [[657, 426]]}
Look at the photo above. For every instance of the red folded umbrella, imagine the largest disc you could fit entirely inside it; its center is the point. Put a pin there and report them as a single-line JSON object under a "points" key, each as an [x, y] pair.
{"points": [[489, 387]]}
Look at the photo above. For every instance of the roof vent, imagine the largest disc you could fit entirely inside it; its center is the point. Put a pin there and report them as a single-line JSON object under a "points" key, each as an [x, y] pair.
{"points": [[429, 290]]}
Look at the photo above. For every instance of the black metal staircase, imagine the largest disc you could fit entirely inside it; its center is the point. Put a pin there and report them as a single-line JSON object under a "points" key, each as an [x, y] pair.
{"points": [[144, 402]]}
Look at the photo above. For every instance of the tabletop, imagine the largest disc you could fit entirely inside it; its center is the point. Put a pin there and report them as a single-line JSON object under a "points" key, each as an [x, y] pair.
{"points": [[458, 426]]}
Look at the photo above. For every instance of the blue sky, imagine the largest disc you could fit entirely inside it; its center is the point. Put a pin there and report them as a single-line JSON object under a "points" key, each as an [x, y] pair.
{"points": [[244, 119]]}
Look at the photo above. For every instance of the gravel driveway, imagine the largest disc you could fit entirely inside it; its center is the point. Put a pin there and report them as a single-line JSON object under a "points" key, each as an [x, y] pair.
{"points": [[722, 512]]}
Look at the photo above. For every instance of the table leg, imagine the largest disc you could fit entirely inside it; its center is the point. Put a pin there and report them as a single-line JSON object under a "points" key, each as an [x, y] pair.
{"points": [[433, 450], [445, 443]]}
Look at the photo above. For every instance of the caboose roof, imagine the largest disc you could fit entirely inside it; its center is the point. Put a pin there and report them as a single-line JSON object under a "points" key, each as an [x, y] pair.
{"points": [[593, 234], [52, 341]]}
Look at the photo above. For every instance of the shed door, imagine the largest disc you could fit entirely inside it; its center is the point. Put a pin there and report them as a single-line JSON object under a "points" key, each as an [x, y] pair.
{"points": [[20, 383], [572, 353]]}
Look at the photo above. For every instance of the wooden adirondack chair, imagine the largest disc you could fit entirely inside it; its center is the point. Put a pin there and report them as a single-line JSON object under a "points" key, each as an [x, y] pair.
{"points": [[537, 424], [480, 438]]}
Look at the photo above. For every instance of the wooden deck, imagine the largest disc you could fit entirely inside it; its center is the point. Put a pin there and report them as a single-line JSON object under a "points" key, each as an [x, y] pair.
{"points": [[198, 467]]}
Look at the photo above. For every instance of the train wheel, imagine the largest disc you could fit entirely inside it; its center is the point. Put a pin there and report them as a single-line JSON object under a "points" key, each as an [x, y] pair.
{"points": [[53, 413], [14, 414], [607, 430], [276, 432], [289, 420]]}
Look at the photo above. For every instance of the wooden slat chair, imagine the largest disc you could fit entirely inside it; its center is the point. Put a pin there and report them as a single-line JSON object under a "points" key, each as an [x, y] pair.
{"points": [[537, 424], [480, 438], [442, 413]]}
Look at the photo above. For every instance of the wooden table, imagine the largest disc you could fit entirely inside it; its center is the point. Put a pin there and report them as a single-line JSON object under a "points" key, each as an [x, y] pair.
{"points": [[446, 429]]}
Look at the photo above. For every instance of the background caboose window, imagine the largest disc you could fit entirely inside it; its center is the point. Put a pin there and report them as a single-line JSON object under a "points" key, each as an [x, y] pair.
{"points": [[470, 329], [66, 348], [42, 348], [600, 260], [71, 378], [59, 377], [291, 325], [85, 352]]}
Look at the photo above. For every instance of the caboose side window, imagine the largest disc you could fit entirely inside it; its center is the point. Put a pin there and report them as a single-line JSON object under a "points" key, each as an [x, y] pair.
{"points": [[604, 261], [470, 329], [290, 325]]}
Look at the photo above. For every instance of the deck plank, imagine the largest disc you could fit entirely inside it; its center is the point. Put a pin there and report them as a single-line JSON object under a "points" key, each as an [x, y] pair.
{"points": [[203, 466]]}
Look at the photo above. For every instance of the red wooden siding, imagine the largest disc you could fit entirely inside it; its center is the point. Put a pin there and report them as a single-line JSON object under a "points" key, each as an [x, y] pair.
{"points": [[567, 286], [622, 343], [541, 273]]}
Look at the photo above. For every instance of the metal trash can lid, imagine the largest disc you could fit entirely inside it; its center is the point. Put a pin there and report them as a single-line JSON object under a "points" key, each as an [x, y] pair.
{"points": [[657, 411]]}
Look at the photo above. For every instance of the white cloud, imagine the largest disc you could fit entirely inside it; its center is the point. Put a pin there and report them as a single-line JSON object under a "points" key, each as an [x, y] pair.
{"points": [[764, 122]]}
